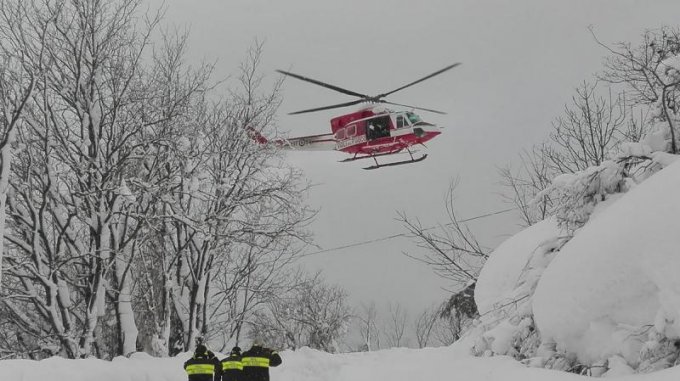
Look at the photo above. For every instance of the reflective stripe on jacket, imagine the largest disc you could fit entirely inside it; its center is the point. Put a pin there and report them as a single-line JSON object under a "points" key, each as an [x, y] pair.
{"points": [[256, 362], [200, 369], [262, 362], [229, 364], [204, 367]]}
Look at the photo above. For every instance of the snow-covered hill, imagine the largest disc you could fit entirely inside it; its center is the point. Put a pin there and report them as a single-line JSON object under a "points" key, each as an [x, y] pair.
{"points": [[606, 300]]}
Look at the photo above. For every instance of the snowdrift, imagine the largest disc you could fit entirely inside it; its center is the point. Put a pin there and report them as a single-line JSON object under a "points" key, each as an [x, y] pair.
{"points": [[310, 365]]}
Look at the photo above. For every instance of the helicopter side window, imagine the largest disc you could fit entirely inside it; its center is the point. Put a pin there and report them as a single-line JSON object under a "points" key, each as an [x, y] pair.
{"points": [[340, 134], [402, 122], [413, 117], [351, 130]]}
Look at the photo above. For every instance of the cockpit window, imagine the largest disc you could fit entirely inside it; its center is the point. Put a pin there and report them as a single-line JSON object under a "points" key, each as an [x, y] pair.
{"points": [[413, 118]]}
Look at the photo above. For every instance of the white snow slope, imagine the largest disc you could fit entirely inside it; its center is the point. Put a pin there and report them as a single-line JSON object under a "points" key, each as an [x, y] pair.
{"points": [[450, 363], [619, 275]]}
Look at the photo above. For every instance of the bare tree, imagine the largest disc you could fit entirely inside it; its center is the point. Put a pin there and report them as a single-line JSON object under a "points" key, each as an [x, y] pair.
{"points": [[591, 127], [447, 330], [587, 131], [424, 325], [645, 70], [453, 252], [396, 326], [368, 329], [524, 184]]}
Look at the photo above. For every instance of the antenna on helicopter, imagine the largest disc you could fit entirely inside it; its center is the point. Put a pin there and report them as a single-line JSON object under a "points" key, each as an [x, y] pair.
{"points": [[363, 97]]}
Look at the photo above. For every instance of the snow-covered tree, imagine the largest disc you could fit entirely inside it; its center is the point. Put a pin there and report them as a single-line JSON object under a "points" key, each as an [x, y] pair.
{"points": [[650, 70], [17, 81], [312, 313], [136, 186], [70, 211]]}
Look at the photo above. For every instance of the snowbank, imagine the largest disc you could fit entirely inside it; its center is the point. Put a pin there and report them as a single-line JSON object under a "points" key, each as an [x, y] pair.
{"points": [[140, 367], [619, 276], [498, 280], [310, 365]]}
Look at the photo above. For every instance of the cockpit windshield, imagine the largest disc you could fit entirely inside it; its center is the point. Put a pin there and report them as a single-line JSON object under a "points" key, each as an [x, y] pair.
{"points": [[413, 118]]}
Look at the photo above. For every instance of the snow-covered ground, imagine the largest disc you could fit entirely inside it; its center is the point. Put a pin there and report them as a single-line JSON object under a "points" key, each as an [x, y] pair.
{"points": [[452, 363]]}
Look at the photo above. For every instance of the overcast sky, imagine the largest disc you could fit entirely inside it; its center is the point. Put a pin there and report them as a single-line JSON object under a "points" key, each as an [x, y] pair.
{"points": [[520, 60]]}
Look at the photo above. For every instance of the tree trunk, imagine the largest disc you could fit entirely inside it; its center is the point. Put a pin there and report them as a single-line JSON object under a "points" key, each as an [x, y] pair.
{"points": [[5, 162], [127, 328], [671, 127]]}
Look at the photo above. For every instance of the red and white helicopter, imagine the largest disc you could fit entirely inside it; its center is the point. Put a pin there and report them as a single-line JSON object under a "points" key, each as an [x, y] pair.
{"points": [[371, 131]]}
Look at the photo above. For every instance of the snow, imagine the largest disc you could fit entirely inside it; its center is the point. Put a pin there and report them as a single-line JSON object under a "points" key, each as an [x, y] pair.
{"points": [[669, 69], [614, 278], [306, 364], [500, 274], [657, 140]]}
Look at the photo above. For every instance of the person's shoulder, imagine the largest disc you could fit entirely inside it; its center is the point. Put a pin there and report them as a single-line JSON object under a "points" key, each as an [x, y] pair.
{"points": [[191, 360]]}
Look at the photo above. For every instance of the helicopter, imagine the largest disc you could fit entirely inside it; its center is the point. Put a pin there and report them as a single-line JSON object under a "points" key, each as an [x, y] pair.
{"points": [[371, 132]]}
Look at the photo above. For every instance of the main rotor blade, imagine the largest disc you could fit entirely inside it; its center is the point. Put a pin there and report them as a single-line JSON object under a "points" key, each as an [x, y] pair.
{"points": [[420, 80], [327, 107], [326, 85], [417, 108]]}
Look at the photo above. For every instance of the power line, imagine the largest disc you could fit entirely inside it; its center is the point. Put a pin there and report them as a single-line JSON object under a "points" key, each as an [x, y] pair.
{"points": [[387, 238]]}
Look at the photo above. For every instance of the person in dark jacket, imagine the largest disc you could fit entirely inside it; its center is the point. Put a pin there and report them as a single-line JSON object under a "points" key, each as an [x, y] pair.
{"points": [[203, 365], [257, 360], [232, 368]]}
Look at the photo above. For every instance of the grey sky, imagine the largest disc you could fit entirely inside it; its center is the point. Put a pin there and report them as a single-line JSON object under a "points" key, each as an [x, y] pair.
{"points": [[520, 61]]}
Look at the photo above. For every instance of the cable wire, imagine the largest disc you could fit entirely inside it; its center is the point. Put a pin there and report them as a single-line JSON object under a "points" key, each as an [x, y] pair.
{"points": [[387, 238]]}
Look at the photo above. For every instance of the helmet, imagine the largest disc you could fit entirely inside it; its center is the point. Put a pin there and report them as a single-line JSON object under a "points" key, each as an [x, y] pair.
{"points": [[201, 350], [258, 342], [236, 350]]}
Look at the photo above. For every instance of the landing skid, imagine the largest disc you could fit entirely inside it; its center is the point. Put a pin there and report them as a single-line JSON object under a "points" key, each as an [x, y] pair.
{"points": [[413, 160], [368, 156]]}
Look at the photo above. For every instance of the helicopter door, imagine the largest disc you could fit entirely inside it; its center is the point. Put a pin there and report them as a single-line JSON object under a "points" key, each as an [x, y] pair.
{"points": [[378, 127]]}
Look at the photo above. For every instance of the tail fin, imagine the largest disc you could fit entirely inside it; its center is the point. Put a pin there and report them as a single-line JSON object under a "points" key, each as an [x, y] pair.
{"points": [[256, 135]]}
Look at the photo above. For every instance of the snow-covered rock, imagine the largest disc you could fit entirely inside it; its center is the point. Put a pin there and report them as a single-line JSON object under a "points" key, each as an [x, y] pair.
{"points": [[616, 276]]}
